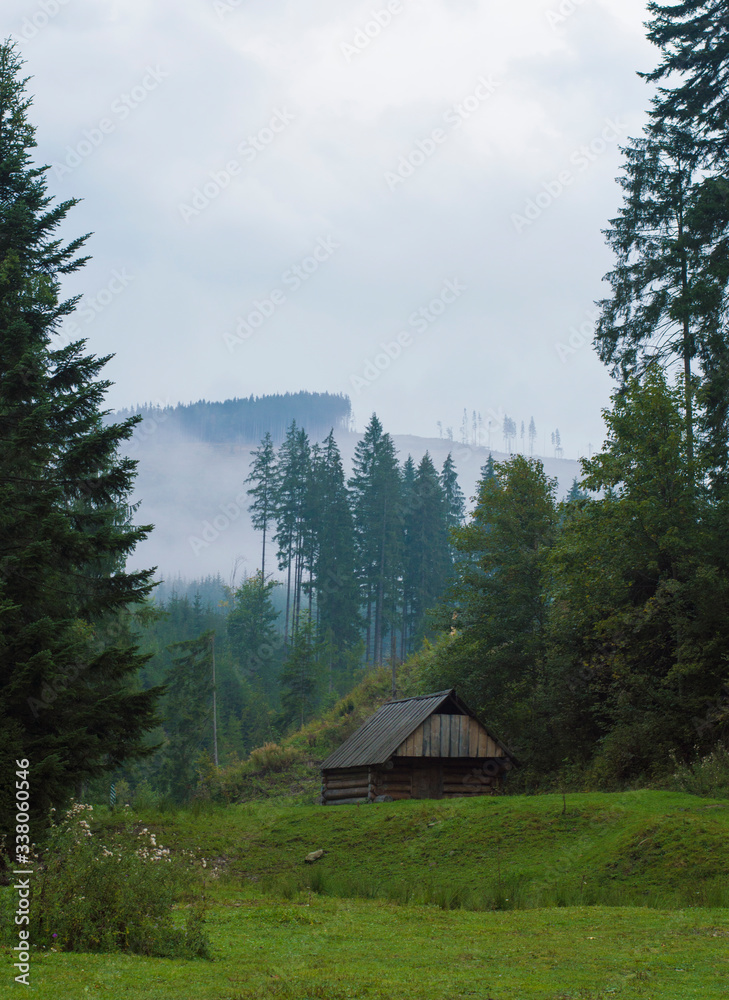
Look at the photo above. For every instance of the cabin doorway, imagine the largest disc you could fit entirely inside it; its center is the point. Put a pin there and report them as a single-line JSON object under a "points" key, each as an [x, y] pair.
{"points": [[428, 782]]}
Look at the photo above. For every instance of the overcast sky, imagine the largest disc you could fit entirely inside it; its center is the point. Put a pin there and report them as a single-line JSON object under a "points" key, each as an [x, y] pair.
{"points": [[400, 201]]}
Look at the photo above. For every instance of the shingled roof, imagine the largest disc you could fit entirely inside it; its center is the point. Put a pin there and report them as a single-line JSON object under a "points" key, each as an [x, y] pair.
{"points": [[377, 739]]}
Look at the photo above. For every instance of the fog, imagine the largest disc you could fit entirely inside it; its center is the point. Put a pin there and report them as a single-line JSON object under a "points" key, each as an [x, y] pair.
{"points": [[194, 493]]}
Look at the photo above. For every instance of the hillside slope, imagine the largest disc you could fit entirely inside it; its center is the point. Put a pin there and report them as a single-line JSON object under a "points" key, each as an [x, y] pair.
{"points": [[643, 848]]}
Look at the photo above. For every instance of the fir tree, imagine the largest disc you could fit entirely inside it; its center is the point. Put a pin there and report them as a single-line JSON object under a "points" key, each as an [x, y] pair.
{"points": [[251, 628], [408, 500], [300, 675], [375, 486], [335, 581], [263, 491], [187, 713], [67, 700], [293, 524], [455, 502], [430, 555]]}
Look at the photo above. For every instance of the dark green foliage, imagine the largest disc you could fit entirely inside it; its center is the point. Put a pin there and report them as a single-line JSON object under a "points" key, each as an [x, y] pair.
{"points": [[377, 507], [301, 675], [498, 605], [254, 641], [692, 37], [187, 713], [334, 581], [429, 558], [455, 502], [67, 701], [672, 239], [637, 636]]}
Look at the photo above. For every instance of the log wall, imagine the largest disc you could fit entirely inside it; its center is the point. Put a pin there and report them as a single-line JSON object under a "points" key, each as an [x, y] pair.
{"points": [[414, 777]]}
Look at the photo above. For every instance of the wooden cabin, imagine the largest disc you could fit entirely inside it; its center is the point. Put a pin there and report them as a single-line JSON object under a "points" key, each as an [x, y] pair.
{"points": [[429, 747]]}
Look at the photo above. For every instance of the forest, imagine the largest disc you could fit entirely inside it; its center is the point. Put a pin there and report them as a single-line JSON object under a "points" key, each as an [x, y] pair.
{"points": [[244, 421], [591, 633]]}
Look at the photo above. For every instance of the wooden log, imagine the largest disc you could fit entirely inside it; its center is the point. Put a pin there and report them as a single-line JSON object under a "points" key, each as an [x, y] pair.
{"points": [[343, 785], [359, 779], [360, 772], [346, 793]]}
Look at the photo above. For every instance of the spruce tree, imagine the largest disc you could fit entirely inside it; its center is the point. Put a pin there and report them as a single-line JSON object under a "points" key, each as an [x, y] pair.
{"points": [[253, 639], [430, 555], [409, 555], [692, 36], [67, 697], [657, 310], [293, 523], [300, 675], [455, 502], [263, 492], [187, 713], [335, 582], [375, 486]]}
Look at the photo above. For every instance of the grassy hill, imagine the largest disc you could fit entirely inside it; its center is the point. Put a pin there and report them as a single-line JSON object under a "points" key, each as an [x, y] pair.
{"points": [[510, 898], [642, 848]]}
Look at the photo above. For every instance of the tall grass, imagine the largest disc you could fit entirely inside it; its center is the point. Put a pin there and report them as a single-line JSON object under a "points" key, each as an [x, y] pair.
{"points": [[512, 892]]}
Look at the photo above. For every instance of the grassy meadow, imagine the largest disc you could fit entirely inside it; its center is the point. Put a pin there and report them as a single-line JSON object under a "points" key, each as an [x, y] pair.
{"points": [[596, 895]]}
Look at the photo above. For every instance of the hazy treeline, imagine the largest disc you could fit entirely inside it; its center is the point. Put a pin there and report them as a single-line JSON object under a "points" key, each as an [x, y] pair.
{"points": [[247, 420], [365, 557]]}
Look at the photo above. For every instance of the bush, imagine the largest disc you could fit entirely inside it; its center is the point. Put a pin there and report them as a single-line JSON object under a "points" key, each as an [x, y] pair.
{"points": [[707, 775], [116, 895], [272, 757]]}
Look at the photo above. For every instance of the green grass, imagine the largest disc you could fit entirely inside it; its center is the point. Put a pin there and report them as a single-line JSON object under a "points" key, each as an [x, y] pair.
{"points": [[336, 949], [634, 848], [501, 898]]}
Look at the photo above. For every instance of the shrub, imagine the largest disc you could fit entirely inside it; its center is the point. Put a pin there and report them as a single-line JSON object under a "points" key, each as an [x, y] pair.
{"points": [[271, 757], [707, 775], [116, 895]]}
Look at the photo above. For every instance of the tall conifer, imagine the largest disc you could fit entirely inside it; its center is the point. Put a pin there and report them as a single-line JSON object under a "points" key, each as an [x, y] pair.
{"points": [[67, 701]]}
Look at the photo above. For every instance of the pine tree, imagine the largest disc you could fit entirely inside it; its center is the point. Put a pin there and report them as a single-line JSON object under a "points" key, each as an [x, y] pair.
{"points": [[488, 470], [335, 582], [498, 604], [576, 492], [251, 629], [692, 104], [263, 491], [187, 713], [532, 435], [455, 502], [67, 664], [293, 523], [695, 61], [408, 501], [658, 308], [428, 528], [375, 487], [300, 675]]}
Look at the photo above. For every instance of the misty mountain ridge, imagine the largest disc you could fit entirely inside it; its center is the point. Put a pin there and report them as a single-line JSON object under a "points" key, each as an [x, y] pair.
{"points": [[194, 460]]}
